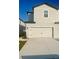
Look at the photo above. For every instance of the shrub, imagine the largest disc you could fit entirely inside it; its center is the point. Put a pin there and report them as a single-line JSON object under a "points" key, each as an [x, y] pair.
{"points": [[22, 34]]}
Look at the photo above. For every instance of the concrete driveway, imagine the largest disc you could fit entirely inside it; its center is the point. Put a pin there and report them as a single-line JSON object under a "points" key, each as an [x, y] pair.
{"points": [[40, 46]]}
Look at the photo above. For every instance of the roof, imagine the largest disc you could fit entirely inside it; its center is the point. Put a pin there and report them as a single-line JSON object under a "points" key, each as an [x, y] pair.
{"points": [[29, 22], [21, 19], [57, 8], [26, 21]]}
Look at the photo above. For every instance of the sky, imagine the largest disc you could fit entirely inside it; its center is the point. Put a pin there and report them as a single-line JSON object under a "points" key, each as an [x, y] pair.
{"points": [[26, 5]]}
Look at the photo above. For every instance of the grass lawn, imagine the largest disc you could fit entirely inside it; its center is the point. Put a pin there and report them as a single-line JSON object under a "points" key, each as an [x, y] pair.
{"points": [[21, 44]]}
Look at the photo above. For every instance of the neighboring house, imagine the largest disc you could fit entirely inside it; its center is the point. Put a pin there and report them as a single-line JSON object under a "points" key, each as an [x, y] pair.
{"points": [[43, 22], [21, 25]]}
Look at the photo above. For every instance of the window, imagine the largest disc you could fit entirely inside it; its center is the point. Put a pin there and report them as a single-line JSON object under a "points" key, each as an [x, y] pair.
{"points": [[45, 13]]}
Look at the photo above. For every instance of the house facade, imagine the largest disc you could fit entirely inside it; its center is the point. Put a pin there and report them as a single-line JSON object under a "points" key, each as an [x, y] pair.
{"points": [[45, 23], [21, 25]]}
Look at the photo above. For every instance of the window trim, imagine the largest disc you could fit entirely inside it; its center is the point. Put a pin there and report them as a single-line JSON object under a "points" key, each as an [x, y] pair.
{"points": [[45, 13]]}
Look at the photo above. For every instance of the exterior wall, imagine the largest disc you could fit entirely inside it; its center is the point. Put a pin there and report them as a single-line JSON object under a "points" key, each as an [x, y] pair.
{"points": [[56, 31], [42, 21], [46, 21], [21, 26]]}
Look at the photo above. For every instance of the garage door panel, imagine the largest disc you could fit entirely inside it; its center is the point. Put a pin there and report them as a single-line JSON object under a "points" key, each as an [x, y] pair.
{"points": [[40, 32]]}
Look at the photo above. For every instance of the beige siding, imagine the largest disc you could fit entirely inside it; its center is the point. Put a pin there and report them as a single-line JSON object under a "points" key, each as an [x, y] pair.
{"points": [[39, 15], [42, 21], [56, 31]]}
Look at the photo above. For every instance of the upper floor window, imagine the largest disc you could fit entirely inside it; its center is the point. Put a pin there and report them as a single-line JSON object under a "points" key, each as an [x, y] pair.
{"points": [[45, 13]]}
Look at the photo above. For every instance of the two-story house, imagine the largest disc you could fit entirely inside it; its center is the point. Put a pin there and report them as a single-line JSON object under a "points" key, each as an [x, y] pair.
{"points": [[43, 22]]}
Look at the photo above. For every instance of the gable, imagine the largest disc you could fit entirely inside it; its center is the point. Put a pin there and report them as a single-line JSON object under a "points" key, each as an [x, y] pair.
{"points": [[42, 8], [46, 5], [45, 15]]}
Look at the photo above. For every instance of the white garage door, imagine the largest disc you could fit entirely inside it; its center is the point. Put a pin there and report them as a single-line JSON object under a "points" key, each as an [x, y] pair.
{"points": [[40, 32]]}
